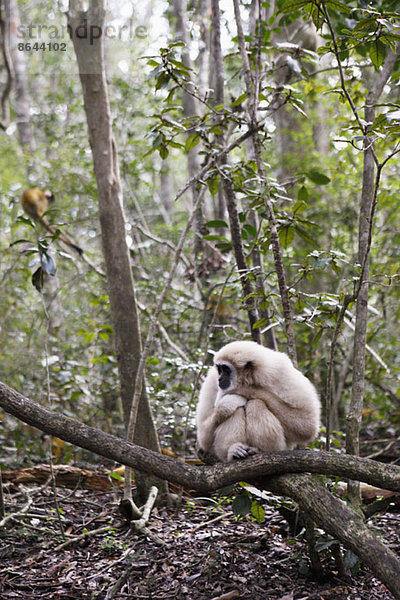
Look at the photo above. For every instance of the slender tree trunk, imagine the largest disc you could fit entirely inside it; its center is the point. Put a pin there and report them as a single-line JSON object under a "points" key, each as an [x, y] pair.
{"points": [[165, 193], [24, 124], [230, 197], [119, 274], [203, 57], [252, 88], [191, 110], [367, 209]]}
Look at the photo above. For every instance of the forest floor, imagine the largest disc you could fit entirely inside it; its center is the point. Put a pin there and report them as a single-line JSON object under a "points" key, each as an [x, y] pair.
{"points": [[209, 553]]}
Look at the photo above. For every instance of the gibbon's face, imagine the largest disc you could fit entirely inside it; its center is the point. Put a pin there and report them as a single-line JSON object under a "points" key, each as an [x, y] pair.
{"points": [[233, 377], [226, 374]]}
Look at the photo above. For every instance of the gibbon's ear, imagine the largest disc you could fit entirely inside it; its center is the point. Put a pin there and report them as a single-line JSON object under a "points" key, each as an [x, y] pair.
{"points": [[249, 365]]}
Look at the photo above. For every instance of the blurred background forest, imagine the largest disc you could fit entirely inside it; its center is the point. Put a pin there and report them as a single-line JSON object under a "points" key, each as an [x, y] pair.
{"points": [[170, 116]]}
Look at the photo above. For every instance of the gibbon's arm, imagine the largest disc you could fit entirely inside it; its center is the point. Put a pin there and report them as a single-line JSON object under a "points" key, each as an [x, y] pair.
{"points": [[213, 409], [299, 420], [205, 414], [226, 405]]}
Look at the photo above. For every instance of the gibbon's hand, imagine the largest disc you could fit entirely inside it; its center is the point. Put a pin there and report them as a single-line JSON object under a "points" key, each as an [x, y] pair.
{"points": [[238, 451], [228, 404]]}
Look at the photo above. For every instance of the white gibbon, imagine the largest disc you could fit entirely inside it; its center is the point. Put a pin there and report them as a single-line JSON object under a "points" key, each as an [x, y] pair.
{"points": [[254, 400]]}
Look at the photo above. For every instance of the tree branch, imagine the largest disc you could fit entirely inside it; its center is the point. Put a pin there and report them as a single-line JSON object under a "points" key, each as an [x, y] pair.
{"points": [[328, 512], [204, 479]]}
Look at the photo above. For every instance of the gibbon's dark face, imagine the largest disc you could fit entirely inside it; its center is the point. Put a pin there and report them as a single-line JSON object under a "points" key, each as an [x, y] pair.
{"points": [[224, 376]]}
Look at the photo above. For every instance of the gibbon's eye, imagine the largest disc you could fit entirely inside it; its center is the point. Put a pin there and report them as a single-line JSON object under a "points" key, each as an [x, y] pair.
{"points": [[224, 376]]}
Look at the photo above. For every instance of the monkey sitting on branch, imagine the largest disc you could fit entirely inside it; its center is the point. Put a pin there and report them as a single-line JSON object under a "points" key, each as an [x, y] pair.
{"points": [[254, 400], [36, 203]]}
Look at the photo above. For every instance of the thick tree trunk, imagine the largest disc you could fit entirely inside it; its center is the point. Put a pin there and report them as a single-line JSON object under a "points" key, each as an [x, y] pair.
{"points": [[124, 312]]}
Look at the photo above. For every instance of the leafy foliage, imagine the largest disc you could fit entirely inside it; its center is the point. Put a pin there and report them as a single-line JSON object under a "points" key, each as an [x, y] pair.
{"points": [[312, 147]]}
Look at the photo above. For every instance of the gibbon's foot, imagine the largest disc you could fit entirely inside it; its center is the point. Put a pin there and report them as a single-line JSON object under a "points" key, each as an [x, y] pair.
{"points": [[206, 457], [238, 451]]}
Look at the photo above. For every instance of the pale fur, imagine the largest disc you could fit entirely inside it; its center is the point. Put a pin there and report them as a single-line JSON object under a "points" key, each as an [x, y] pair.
{"points": [[268, 406]]}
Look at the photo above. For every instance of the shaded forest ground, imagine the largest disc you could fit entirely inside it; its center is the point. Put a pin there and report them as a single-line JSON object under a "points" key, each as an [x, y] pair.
{"points": [[209, 553]]}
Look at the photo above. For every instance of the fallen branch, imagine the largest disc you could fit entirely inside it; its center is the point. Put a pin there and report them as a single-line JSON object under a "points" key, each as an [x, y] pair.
{"points": [[64, 475], [140, 525], [82, 536], [21, 512]]}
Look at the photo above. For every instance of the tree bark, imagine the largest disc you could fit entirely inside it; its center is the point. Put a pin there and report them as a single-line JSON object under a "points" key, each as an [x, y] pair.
{"points": [[23, 119], [191, 111], [252, 89], [202, 479], [366, 217], [328, 512], [124, 312], [227, 185], [342, 523]]}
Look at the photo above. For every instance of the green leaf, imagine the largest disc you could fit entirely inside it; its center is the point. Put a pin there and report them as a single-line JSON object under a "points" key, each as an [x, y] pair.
{"points": [[318, 178], [192, 141], [380, 122], [213, 238], [38, 279], [307, 237], [286, 235], [116, 476], [162, 81], [213, 184], [250, 229], [318, 17], [216, 223], [241, 505], [224, 246], [158, 140], [317, 337], [24, 241], [339, 6], [163, 151], [239, 100], [257, 511], [48, 264], [289, 6], [377, 53], [368, 24], [302, 195], [260, 323]]}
